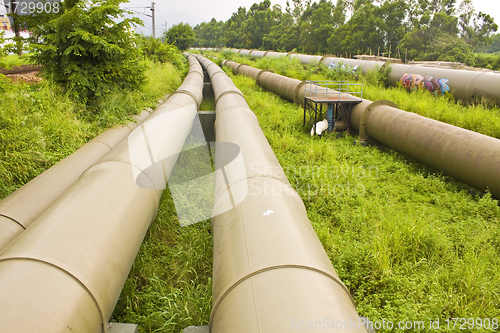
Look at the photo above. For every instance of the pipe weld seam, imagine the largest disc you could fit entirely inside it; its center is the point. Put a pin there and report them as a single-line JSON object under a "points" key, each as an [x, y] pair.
{"points": [[233, 285], [237, 71], [260, 73], [13, 220], [190, 94], [66, 271], [219, 113], [104, 143], [229, 92], [215, 73]]}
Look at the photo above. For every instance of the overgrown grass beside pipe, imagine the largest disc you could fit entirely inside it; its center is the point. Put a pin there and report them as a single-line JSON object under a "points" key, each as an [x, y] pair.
{"points": [[21, 208], [67, 270]]}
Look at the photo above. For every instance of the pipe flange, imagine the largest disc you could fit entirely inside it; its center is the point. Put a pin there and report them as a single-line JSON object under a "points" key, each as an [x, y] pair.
{"points": [[236, 71], [260, 73], [190, 94], [296, 98], [255, 272], [327, 56], [363, 136], [229, 91], [72, 274]]}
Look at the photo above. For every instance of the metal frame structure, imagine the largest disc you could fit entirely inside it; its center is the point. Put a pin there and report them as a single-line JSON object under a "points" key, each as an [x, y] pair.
{"points": [[337, 95]]}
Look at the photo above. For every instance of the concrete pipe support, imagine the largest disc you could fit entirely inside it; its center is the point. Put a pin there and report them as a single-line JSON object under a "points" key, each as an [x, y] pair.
{"points": [[270, 269], [65, 273], [22, 207]]}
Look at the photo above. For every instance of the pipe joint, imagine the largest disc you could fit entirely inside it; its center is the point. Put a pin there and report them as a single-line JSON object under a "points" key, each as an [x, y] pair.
{"points": [[363, 135]]}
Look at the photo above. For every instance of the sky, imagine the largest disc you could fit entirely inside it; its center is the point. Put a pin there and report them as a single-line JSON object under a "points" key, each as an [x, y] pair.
{"points": [[197, 11], [170, 12]]}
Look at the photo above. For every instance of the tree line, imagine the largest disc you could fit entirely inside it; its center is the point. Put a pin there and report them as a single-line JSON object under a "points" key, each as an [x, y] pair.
{"points": [[425, 30]]}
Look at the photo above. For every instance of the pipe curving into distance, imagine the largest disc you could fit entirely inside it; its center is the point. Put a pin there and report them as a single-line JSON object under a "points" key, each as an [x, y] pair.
{"points": [[468, 156], [65, 273], [464, 85], [22, 207], [270, 270]]}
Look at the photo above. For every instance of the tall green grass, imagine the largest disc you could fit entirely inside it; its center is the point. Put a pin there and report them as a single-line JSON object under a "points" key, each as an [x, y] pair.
{"points": [[40, 125], [170, 285], [410, 243], [12, 60], [477, 118]]}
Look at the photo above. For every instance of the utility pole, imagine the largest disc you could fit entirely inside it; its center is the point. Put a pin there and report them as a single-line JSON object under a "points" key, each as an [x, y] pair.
{"points": [[15, 25], [153, 16]]}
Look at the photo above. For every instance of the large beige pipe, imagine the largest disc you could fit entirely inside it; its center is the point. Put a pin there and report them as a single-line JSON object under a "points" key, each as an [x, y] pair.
{"points": [[257, 54], [65, 272], [273, 54], [469, 86], [304, 58], [271, 272], [365, 65], [22, 207], [468, 156]]}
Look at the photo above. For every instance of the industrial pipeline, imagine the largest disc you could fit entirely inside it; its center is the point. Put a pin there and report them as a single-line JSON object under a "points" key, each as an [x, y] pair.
{"points": [[66, 271], [23, 206], [468, 156], [269, 265], [464, 85]]}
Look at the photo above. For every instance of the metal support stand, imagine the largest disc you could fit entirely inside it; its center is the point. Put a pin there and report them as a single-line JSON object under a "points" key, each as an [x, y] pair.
{"points": [[339, 100]]}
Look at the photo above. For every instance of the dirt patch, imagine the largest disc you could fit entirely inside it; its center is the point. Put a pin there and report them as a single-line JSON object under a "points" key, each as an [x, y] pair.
{"points": [[20, 69], [30, 77]]}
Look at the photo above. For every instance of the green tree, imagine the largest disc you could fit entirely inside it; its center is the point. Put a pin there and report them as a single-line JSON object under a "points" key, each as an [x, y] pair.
{"points": [[361, 33], [475, 27], [493, 45], [233, 29], [283, 36], [393, 24], [429, 27], [450, 48], [89, 49], [317, 25], [181, 35], [209, 34], [154, 49], [260, 19]]}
